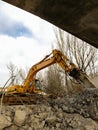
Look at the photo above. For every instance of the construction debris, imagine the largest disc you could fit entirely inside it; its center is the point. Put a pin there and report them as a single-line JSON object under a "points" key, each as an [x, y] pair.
{"points": [[75, 112]]}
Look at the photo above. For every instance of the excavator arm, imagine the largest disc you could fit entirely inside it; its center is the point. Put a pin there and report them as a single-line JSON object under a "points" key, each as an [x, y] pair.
{"points": [[59, 58]]}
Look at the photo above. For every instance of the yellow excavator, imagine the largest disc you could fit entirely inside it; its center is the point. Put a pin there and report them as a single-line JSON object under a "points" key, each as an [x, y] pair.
{"points": [[58, 57]]}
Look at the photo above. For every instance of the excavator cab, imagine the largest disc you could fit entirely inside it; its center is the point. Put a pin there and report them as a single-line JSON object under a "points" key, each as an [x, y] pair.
{"points": [[37, 84]]}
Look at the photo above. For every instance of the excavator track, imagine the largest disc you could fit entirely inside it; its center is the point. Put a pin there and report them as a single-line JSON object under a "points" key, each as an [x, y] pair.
{"points": [[22, 99]]}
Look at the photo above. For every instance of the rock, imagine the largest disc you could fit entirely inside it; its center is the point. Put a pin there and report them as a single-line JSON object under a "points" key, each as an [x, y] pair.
{"points": [[14, 127], [20, 116], [36, 124], [29, 128], [51, 121], [77, 122], [5, 121]]}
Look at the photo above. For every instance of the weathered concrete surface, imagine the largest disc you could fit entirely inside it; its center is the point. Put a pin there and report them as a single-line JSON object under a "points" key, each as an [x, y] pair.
{"points": [[95, 80], [75, 112], [78, 17]]}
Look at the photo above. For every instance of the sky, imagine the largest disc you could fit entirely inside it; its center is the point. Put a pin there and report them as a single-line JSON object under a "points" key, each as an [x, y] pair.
{"points": [[25, 39]]}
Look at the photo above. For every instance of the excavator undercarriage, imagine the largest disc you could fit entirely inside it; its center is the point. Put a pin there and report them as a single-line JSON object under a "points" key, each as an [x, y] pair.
{"points": [[21, 99]]}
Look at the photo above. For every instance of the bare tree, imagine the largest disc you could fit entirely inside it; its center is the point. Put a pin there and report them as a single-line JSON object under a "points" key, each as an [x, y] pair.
{"points": [[54, 81], [20, 77], [78, 52], [12, 72], [83, 54], [62, 44], [17, 75]]}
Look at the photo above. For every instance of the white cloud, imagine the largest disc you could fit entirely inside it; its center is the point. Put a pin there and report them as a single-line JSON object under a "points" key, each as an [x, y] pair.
{"points": [[39, 27], [23, 51], [22, 48]]}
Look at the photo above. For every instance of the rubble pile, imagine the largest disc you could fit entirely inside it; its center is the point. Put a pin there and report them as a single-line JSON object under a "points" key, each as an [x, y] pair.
{"points": [[77, 112]]}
